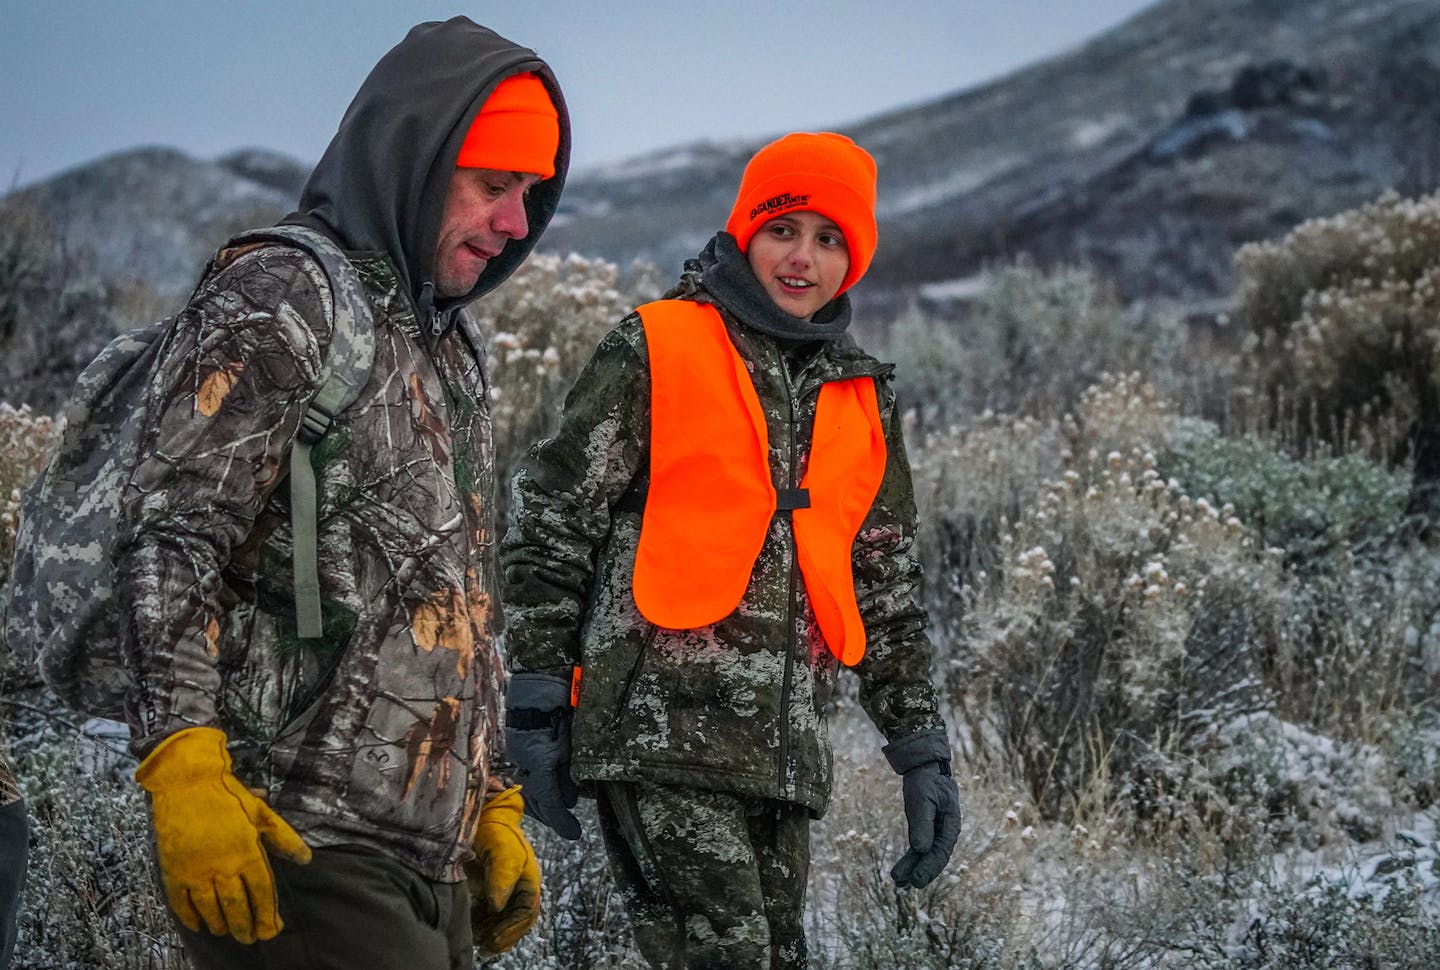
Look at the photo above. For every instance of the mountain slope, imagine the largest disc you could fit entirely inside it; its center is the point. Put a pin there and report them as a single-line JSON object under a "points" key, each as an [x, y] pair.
{"points": [[156, 215], [1101, 155], [1150, 153]]}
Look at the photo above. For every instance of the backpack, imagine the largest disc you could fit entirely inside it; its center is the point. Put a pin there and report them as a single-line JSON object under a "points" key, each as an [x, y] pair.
{"points": [[61, 611]]}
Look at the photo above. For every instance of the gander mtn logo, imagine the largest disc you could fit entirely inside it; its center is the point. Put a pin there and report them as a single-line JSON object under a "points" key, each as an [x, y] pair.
{"points": [[778, 202]]}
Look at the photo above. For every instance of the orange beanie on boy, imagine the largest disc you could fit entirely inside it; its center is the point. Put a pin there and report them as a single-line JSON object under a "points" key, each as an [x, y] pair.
{"points": [[816, 172]]}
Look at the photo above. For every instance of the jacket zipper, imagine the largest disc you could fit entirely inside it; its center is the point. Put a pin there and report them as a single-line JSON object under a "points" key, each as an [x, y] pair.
{"points": [[790, 639]]}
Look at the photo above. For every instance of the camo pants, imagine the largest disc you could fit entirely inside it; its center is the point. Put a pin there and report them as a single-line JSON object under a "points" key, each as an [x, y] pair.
{"points": [[709, 879]]}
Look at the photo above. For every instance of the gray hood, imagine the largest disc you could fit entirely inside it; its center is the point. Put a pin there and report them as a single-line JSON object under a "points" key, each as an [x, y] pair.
{"points": [[382, 182]]}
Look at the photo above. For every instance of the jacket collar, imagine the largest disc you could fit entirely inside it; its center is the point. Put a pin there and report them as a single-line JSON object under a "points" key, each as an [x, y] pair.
{"points": [[722, 271]]}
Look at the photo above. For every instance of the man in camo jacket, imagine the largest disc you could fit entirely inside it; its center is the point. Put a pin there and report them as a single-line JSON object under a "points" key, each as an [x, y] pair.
{"points": [[321, 802]]}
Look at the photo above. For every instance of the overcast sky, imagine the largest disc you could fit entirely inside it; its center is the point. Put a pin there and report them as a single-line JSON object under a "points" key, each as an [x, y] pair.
{"points": [[84, 78]]}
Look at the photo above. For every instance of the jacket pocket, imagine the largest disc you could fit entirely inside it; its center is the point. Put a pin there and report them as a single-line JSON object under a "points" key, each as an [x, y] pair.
{"points": [[627, 689]]}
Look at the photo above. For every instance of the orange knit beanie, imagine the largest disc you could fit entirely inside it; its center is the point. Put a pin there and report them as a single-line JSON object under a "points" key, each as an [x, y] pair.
{"points": [[819, 172], [517, 129]]}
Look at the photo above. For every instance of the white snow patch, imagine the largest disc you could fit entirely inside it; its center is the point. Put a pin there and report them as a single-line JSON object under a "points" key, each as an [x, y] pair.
{"points": [[1089, 132], [956, 183], [659, 163], [961, 288]]}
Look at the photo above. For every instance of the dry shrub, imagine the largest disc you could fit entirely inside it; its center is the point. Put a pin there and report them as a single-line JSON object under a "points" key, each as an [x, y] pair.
{"points": [[543, 325], [1358, 650], [1377, 247], [91, 896], [971, 481], [968, 480], [970, 917], [1318, 509], [1120, 619], [1349, 655], [1325, 924], [1128, 602], [25, 441], [1031, 343], [1343, 313], [1019, 892]]}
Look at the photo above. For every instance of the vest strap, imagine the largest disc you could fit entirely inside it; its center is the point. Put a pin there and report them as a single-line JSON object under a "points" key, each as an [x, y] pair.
{"points": [[786, 500], [789, 499]]}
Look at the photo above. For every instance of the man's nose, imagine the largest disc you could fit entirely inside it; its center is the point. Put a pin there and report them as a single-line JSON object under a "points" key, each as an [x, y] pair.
{"points": [[511, 219]]}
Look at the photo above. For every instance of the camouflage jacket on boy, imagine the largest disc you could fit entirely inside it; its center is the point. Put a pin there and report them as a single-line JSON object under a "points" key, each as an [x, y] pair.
{"points": [[738, 706]]}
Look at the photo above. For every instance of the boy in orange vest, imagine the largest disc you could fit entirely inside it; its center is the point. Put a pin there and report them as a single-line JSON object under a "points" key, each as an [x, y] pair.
{"points": [[725, 517]]}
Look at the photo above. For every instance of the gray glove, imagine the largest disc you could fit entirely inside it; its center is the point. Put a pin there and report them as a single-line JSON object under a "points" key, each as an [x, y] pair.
{"points": [[537, 735], [932, 817], [932, 806]]}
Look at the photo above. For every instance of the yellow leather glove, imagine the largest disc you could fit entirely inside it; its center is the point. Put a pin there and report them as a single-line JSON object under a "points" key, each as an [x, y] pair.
{"points": [[208, 829], [504, 878]]}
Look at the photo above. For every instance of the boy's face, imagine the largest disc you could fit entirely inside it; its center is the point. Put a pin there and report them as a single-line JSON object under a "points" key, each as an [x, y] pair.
{"points": [[484, 210], [800, 258]]}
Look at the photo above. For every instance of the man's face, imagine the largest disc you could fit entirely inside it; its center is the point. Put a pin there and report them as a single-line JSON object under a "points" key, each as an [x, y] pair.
{"points": [[801, 259], [484, 210]]}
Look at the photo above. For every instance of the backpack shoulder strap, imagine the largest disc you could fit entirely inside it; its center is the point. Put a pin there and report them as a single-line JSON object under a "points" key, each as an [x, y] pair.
{"points": [[351, 352], [346, 368]]}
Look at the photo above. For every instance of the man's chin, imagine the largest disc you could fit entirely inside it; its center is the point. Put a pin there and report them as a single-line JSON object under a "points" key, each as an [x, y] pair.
{"points": [[451, 289]]}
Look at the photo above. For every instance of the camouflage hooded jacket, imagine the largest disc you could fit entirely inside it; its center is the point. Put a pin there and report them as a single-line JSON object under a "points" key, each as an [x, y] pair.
{"points": [[738, 706], [384, 731]]}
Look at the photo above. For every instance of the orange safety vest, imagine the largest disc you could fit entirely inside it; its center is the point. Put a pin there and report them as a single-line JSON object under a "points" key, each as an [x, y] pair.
{"points": [[710, 498]]}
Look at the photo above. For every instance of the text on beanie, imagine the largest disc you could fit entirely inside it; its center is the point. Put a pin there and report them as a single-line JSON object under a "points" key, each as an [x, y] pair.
{"points": [[817, 172]]}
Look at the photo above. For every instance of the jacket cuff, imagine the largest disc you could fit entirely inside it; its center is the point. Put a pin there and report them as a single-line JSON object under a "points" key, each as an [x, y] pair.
{"points": [[916, 749], [541, 692]]}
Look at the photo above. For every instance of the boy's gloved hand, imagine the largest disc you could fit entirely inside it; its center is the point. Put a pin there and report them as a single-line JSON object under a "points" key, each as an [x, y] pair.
{"points": [[932, 806], [208, 830], [932, 819], [504, 878], [537, 738]]}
